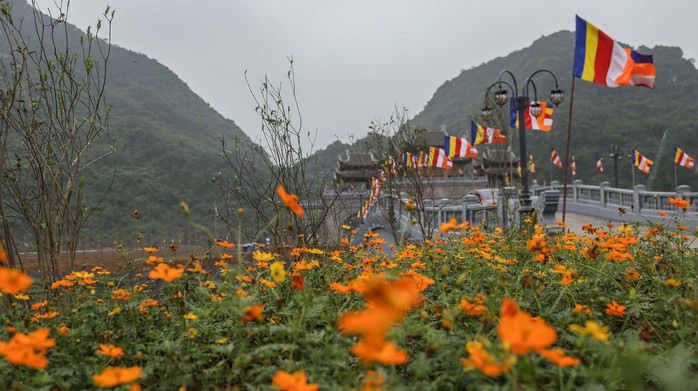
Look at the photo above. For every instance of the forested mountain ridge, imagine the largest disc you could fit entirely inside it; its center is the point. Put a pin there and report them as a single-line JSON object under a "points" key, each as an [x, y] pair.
{"points": [[630, 117], [168, 144]]}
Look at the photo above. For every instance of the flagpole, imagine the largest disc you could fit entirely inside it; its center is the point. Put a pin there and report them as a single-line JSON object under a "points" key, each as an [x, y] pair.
{"points": [[676, 177], [567, 154]]}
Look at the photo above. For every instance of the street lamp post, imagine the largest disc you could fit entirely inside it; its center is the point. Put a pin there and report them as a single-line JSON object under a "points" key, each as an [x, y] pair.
{"points": [[615, 155], [521, 103]]}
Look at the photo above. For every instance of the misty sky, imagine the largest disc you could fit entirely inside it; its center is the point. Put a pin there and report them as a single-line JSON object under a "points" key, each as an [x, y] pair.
{"points": [[355, 61]]}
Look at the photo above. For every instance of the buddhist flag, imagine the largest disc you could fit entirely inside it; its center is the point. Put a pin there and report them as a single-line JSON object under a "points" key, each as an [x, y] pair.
{"points": [[438, 158], [574, 166], [484, 135], [642, 163], [682, 159], [599, 164], [555, 158], [531, 165], [601, 60], [543, 122], [458, 147]]}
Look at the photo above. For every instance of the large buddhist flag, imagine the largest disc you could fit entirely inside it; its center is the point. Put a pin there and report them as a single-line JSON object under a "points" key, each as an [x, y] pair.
{"points": [[601, 60], [555, 158], [484, 135], [642, 163], [438, 158], [543, 122], [682, 159], [458, 147]]}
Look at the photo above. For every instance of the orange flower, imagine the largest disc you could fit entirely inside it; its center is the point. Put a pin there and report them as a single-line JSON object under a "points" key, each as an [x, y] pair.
{"points": [[679, 203], [165, 272], [196, 268], [115, 376], [339, 288], [558, 357], [385, 353], [28, 349], [13, 281], [252, 313], [481, 360], [615, 309], [224, 243], [522, 331], [150, 249], [632, 274], [298, 283], [292, 381], [110, 350], [372, 382], [290, 200]]}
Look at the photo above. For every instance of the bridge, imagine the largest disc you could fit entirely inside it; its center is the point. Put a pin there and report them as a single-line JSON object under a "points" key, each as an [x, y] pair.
{"points": [[599, 203]]}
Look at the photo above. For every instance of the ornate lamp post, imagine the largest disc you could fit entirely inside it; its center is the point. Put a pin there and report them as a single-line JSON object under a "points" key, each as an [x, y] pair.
{"points": [[521, 103]]}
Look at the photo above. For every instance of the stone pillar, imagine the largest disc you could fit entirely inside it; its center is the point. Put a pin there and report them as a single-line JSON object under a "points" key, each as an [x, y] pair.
{"points": [[575, 188], [602, 187], [637, 200]]}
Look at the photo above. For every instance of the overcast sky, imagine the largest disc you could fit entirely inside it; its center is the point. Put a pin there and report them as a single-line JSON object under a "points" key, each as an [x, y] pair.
{"points": [[355, 61]]}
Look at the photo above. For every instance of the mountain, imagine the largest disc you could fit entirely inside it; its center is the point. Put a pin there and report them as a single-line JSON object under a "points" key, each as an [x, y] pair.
{"points": [[168, 142], [630, 117]]}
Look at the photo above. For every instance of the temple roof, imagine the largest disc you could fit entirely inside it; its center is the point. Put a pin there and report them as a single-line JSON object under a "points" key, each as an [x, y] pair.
{"points": [[357, 160]]}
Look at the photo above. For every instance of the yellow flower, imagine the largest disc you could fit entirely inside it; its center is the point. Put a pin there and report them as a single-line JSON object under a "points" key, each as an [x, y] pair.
{"points": [[672, 282], [262, 256], [114, 311], [592, 329], [190, 316], [278, 273]]}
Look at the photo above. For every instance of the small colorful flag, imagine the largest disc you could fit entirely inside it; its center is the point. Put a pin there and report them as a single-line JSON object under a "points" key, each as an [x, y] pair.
{"points": [[642, 163], [531, 165], [599, 164], [601, 60], [555, 158], [458, 147], [438, 158], [574, 166], [518, 170], [682, 159], [543, 122], [484, 135]]}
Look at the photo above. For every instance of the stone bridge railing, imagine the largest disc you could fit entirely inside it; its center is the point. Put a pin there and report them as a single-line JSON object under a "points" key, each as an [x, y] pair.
{"points": [[637, 204]]}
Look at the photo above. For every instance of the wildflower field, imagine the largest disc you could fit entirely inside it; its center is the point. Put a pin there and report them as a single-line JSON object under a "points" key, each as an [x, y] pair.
{"points": [[614, 308]]}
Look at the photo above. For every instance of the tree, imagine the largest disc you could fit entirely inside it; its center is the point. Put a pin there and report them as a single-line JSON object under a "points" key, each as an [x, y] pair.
{"points": [[53, 118], [278, 158]]}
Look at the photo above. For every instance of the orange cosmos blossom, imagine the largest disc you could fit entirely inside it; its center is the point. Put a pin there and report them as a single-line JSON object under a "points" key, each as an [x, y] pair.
{"points": [[150, 249], [558, 357], [224, 244], [483, 361], [290, 200], [13, 281], [165, 272], [116, 376], [615, 309], [385, 353], [679, 203], [110, 350], [292, 381], [523, 332], [28, 349], [252, 313]]}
